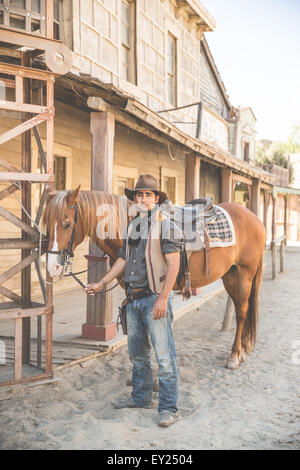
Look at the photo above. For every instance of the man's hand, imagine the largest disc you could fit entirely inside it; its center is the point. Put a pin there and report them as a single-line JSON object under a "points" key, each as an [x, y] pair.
{"points": [[115, 271], [91, 289], [159, 308]]}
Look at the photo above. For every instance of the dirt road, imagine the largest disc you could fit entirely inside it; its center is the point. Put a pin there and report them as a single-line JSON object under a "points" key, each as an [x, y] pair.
{"points": [[255, 407]]}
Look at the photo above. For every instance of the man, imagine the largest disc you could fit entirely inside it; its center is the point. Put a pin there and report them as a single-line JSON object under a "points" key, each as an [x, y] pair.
{"points": [[150, 257]]}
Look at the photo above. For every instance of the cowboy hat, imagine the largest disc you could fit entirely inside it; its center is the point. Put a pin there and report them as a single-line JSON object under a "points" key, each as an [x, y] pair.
{"points": [[144, 183]]}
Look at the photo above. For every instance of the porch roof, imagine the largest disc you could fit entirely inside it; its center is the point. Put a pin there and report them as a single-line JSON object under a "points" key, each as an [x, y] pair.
{"points": [[79, 90]]}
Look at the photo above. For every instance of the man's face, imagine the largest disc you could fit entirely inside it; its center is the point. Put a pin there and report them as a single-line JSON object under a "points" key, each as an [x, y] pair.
{"points": [[146, 200]]}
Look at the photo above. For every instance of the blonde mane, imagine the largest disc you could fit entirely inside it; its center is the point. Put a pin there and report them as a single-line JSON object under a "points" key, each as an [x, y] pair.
{"points": [[107, 213]]}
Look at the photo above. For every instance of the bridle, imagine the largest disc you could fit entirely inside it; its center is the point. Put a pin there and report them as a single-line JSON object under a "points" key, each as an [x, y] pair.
{"points": [[68, 255]]}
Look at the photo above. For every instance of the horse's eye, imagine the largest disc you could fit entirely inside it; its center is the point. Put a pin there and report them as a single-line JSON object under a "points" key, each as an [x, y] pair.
{"points": [[67, 226]]}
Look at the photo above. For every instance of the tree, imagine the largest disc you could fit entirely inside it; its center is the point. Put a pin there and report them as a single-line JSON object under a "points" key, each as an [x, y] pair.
{"points": [[292, 145], [278, 153]]}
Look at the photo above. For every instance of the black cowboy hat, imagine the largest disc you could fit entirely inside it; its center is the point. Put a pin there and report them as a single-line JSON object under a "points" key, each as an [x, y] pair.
{"points": [[144, 183]]}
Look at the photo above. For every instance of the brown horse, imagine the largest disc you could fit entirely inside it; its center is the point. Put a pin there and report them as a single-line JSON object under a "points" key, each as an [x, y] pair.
{"points": [[71, 216]]}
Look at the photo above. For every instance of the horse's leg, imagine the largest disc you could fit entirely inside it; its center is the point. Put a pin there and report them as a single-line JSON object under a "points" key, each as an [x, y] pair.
{"points": [[238, 283]]}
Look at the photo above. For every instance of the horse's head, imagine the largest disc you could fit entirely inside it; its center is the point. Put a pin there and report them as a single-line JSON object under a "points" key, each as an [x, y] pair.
{"points": [[64, 228]]}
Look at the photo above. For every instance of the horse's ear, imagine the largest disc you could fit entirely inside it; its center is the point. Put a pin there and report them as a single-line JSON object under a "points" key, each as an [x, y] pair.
{"points": [[73, 196], [51, 195]]}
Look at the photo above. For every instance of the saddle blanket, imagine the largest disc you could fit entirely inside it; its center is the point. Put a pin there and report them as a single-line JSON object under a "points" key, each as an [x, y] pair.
{"points": [[220, 230]]}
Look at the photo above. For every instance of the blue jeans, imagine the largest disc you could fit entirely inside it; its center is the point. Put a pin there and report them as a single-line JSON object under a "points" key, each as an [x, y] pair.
{"points": [[141, 327]]}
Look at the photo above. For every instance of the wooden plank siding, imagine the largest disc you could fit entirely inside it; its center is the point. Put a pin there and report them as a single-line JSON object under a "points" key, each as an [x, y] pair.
{"points": [[73, 141], [210, 94], [210, 182]]}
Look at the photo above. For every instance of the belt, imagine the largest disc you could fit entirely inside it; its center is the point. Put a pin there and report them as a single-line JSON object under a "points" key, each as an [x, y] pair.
{"points": [[138, 294]]}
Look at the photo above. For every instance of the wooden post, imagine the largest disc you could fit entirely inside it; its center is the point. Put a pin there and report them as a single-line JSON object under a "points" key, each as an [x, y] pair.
{"points": [[18, 348], [226, 186], [286, 198], [266, 207], [282, 256], [274, 246], [228, 315], [25, 92], [49, 19], [255, 196], [192, 177], [192, 185], [99, 315]]}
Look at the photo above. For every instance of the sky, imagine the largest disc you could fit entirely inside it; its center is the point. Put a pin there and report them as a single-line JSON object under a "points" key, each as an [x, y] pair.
{"points": [[256, 47]]}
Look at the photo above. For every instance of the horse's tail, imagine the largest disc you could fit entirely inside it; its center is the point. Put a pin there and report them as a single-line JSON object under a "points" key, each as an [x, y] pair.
{"points": [[250, 327]]}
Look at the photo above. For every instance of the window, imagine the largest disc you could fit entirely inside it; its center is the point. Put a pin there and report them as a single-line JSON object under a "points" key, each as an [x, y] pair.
{"points": [[57, 7], [121, 184], [30, 16], [169, 183], [124, 177], [171, 70], [60, 172], [246, 155], [128, 54]]}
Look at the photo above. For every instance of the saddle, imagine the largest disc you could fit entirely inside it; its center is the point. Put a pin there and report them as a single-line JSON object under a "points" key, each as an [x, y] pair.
{"points": [[196, 214]]}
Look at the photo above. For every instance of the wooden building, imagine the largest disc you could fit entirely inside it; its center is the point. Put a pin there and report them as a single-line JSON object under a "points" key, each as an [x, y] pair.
{"points": [[145, 86]]}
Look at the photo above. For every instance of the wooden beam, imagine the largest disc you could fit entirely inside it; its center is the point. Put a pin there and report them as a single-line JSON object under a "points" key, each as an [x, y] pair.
{"points": [[58, 56], [49, 19], [21, 107], [95, 102], [24, 126], [30, 177], [42, 379], [11, 314], [18, 243], [40, 147], [8, 166], [241, 179], [255, 196], [41, 207], [10, 295], [18, 348], [50, 129], [26, 72], [49, 340], [19, 266], [7, 191], [226, 185], [192, 177], [18, 222], [99, 314], [103, 133]]}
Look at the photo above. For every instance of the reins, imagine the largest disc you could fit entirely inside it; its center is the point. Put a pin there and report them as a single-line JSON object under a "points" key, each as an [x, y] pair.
{"points": [[68, 254]]}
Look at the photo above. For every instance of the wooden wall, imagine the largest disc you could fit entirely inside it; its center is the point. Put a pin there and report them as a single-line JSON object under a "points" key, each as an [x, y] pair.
{"points": [[210, 182], [72, 141], [210, 94]]}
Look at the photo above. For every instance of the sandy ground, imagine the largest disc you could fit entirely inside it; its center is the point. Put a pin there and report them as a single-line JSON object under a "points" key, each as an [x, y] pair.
{"points": [[255, 407]]}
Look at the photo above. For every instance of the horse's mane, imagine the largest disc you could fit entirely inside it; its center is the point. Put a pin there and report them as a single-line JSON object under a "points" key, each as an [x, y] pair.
{"points": [[96, 208]]}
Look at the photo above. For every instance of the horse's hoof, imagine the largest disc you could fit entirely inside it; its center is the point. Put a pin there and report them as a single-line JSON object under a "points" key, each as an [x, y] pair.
{"points": [[232, 363]]}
